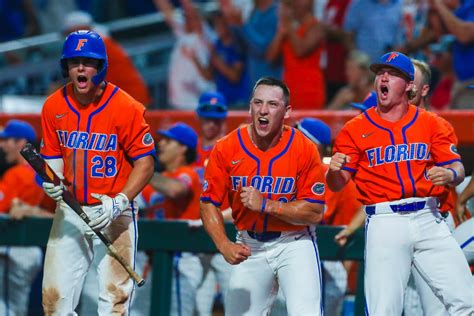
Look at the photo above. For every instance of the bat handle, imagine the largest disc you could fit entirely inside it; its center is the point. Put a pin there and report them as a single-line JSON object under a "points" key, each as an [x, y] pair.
{"points": [[135, 276]]}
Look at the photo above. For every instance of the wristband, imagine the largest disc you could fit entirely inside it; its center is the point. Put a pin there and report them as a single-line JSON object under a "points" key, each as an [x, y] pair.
{"points": [[280, 208], [264, 204], [454, 173]]}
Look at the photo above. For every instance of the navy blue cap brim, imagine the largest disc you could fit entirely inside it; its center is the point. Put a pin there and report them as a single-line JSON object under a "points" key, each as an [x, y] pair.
{"points": [[3, 135], [212, 115], [167, 134], [375, 68]]}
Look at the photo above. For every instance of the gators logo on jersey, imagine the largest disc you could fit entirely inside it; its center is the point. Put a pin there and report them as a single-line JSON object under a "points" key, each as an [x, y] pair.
{"points": [[147, 139], [318, 188], [205, 186], [453, 149]]}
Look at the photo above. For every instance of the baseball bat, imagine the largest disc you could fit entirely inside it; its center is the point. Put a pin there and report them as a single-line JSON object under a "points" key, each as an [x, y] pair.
{"points": [[47, 174]]}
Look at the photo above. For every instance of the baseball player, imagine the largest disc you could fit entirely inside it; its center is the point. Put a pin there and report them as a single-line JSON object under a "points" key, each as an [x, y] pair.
{"points": [[95, 138], [20, 195], [340, 207], [212, 114], [174, 194], [400, 158], [274, 180]]}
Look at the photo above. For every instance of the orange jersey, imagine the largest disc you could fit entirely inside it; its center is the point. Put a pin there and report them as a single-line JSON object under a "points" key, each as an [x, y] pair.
{"points": [[19, 182], [289, 171], [180, 208], [341, 206], [389, 160], [202, 154], [96, 141]]}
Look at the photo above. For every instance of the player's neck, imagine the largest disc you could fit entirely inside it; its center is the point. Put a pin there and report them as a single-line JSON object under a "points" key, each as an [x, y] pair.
{"points": [[175, 164], [392, 113], [92, 96], [264, 143]]}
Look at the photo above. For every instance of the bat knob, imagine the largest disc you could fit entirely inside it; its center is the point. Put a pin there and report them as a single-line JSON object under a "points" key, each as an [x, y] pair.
{"points": [[141, 283]]}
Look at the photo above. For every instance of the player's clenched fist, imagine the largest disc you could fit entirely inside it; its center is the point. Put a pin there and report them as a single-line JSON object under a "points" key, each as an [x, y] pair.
{"points": [[251, 198], [235, 253], [338, 160], [440, 175]]}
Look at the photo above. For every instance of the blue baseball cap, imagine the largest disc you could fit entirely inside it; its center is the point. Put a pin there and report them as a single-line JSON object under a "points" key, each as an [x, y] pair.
{"points": [[369, 101], [397, 61], [182, 133], [316, 130], [18, 129], [212, 105]]}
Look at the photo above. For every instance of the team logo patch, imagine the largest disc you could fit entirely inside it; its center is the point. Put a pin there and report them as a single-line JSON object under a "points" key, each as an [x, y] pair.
{"points": [[453, 149], [205, 186], [318, 188], [147, 139]]}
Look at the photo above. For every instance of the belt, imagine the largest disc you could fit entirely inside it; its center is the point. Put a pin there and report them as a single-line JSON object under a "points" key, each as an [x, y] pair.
{"points": [[265, 236], [401, 206]]}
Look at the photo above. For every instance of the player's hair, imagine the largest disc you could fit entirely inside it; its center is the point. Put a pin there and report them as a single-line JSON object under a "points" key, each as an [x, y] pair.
{"points": [[425, 70], [269, 81], [190, 155]]}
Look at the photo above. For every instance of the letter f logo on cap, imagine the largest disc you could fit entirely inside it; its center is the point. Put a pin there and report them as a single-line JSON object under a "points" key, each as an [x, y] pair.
{"points": [[81, 43], [392, 57]]}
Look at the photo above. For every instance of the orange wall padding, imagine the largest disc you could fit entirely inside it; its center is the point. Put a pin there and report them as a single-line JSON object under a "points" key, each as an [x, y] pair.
{"points": [[463, 121]]}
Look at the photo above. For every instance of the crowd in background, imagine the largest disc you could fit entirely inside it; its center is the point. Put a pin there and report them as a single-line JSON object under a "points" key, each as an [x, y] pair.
{"points": [[321, 49]]}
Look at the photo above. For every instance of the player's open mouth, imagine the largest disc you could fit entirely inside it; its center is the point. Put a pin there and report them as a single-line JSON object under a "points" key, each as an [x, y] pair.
{"points": [[263, 121], [383, 90], [82, 81]]}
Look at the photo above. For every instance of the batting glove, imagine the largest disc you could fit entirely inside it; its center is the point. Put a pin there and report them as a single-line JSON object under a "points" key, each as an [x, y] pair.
{"points": [[53, 191], [111, 209]]}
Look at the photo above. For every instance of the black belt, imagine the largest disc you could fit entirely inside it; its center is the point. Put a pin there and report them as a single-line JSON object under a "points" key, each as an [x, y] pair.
{"points": [[265, 236]]}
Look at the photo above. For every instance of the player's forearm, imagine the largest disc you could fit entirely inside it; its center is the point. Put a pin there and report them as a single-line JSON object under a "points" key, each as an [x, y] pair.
{"points": [[141, 174], [358, 220], [213, 222], [467, 193], [336, 180], [296, 212], [457, 168], [460, 29], [169, 187]]}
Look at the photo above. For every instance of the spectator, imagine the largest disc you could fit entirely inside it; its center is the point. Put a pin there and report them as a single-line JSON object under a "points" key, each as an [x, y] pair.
{"points": [[20, 196], [300, 41], [255, 34], [121, 70], [442, 60], [359, 81], [336, 45], [185, 82], [374, 25], [227, 66], [460, 23]]}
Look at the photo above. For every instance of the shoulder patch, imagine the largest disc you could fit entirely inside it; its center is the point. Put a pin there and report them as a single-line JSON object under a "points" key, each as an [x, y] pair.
{"points": [[205, 186], [318, 188], [147, 139], [454, 149]]}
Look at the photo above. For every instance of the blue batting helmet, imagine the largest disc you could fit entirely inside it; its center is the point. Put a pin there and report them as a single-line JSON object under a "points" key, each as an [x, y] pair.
{"points": [[85, 44]]}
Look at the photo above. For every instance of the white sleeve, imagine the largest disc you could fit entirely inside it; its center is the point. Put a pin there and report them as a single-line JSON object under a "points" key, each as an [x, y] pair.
{"points": [[57, 165]]}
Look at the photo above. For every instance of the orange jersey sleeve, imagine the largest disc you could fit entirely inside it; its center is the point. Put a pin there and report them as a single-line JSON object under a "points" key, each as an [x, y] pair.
{"points": [[186, 207], [390, 160], [289, 171], [97, 142], [19, 182]]}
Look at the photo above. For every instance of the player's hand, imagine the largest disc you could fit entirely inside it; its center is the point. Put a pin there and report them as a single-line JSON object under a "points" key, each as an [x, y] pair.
{"points": [[251, 198], [235, 253], [342, 236], [53, 191], [111, 209], [338, 161], [460, 211], [440, 176]]}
